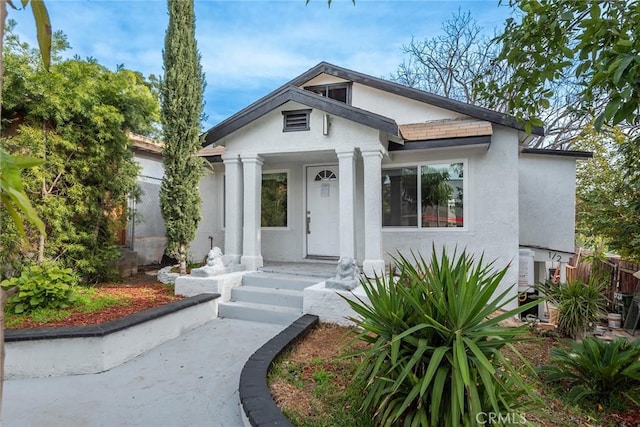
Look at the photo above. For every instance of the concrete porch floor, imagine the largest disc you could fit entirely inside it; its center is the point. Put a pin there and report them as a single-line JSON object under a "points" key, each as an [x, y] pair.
{"points": [[311, 268]]}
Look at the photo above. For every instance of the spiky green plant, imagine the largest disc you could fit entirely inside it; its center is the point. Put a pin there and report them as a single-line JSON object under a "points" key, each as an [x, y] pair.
{"points": [[579, 304], [434, 357], [597, 371]]}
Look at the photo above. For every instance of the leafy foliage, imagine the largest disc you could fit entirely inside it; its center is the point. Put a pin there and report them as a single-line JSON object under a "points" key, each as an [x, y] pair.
{"points": [[579, 304], [597, 370], [604, 199], [76, 117], [182, 104], [434, 357], [41, 286], [596, 42], [12, 195]]}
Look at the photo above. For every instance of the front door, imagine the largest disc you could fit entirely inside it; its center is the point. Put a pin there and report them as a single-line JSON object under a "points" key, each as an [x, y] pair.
{"points": [[323, 211]]}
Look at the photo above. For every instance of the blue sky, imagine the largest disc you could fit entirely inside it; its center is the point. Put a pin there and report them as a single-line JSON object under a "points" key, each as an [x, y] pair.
{"points": [[250, 47]]}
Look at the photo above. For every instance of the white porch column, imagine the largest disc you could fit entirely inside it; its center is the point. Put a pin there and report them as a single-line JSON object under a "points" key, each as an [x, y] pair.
{"points": [[251, 243], [232, 207], [373, 261], [347, 183]]}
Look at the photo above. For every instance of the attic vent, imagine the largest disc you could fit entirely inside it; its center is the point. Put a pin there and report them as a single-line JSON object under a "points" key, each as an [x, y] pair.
{"points": [[296, 120]]}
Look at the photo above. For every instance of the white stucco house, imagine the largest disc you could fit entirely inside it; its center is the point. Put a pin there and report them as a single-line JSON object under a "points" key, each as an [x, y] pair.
{"points": [[336, 163]]}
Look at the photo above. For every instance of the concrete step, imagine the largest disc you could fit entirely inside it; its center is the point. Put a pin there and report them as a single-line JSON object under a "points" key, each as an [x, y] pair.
{"points": [[258, 312], [279, 281], [319, 270], [268, 296]]}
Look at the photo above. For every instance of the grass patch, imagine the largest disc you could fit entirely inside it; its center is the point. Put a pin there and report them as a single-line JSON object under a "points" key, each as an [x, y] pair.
{"points": [[318, 392], [88, 300]]}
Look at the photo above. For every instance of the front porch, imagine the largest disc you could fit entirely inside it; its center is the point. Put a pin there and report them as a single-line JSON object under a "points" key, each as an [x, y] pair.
{"points": [[331, 208]]}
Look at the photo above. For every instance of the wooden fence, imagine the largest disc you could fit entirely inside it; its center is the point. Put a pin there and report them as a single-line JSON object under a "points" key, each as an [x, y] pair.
{"points": [[617, 272]]}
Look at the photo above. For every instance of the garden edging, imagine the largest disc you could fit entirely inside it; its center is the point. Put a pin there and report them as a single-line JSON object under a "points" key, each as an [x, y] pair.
{"points": [[44, 352], [259, 409]]}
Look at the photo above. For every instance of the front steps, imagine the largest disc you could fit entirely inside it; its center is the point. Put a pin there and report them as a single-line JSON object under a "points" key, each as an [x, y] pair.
{"points": [[269, 297]]}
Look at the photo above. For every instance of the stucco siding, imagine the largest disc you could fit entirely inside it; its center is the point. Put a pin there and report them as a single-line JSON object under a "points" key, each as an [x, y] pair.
{"points": [[402, 110], [150, 166], [265, 135], [491, 199], [547, 201], [211, 191]]}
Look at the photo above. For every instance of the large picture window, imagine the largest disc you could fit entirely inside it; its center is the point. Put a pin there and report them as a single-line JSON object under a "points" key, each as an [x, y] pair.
{"points": [[432, 192], [274, 199]]}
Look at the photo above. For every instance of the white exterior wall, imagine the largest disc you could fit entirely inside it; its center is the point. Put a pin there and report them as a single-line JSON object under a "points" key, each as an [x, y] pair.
{"points": [[401, 109], [151, 165], [286, 243], [547, 201], [148, 236], [491, 205], [212, 194]]}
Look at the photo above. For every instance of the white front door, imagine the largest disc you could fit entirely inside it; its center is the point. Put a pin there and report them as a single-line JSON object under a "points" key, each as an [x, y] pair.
{"points": [[323, 205]]}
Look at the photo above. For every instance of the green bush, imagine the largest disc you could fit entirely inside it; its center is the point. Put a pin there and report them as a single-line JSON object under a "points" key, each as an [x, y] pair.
{"points": [[434, 357], [579, 305], [41, 286], [596, 370]]}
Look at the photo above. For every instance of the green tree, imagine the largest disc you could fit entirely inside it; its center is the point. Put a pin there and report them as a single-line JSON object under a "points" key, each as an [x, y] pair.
{"points": [[77, 117], [598, 43], [182, 104], [604, 201]]}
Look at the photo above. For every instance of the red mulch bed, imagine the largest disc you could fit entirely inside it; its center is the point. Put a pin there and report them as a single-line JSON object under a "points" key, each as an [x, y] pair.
{"points": [[143, 290]]}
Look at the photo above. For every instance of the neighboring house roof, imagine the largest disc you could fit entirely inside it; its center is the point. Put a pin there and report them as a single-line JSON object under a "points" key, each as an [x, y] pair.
{"points": [[150, 145], [385, 124], [293, 93], [144, 143]]}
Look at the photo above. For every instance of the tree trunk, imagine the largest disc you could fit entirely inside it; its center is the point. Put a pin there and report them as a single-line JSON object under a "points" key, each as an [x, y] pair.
{"points": [[183, 259], [3, 294]]}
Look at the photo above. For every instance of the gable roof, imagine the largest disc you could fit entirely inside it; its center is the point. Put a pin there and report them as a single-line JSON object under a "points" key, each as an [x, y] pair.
{"points": [[292, 92], [415, 94]]}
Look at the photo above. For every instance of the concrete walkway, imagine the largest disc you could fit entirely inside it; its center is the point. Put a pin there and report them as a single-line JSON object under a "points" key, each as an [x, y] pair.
{"points": [[190, 381]]}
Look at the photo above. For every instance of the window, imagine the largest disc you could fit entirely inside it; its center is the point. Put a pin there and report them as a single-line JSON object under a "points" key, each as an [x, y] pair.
{"points": [[433, 193], [274, 199], [338, 91], [297, 120], [400, 197]]}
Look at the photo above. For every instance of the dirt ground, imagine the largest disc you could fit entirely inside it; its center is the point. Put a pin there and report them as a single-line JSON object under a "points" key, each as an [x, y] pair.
{"points": [[142, 291]]}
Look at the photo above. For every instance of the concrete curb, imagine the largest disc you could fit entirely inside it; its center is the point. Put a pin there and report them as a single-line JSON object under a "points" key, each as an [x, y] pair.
{"points": [[256, 400]]}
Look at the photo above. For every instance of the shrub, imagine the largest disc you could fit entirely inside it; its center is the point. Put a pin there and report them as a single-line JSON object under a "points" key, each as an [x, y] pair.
{"points": [[434, 357], [579, 304], [597, 371], [41, 286]]}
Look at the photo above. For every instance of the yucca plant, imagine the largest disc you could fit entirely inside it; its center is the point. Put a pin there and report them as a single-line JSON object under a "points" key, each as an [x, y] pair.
{"points": [[597, 371], [434, 357], [579, 304]]}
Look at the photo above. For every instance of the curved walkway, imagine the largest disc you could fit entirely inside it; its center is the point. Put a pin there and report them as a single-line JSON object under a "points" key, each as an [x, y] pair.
{"points": [[189, 381]]}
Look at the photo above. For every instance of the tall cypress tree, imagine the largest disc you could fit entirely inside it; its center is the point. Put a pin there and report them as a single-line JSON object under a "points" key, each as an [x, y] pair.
{"points": [[182, 105]]}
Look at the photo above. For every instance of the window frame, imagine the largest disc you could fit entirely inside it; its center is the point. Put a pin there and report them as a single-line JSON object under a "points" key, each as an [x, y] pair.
{"points": [[418, 166], [286, 127], [326, 87], [288, 213]]}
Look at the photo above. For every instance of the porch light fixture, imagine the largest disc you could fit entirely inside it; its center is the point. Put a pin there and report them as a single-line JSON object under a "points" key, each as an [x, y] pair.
{"points": [[325, 125]]}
